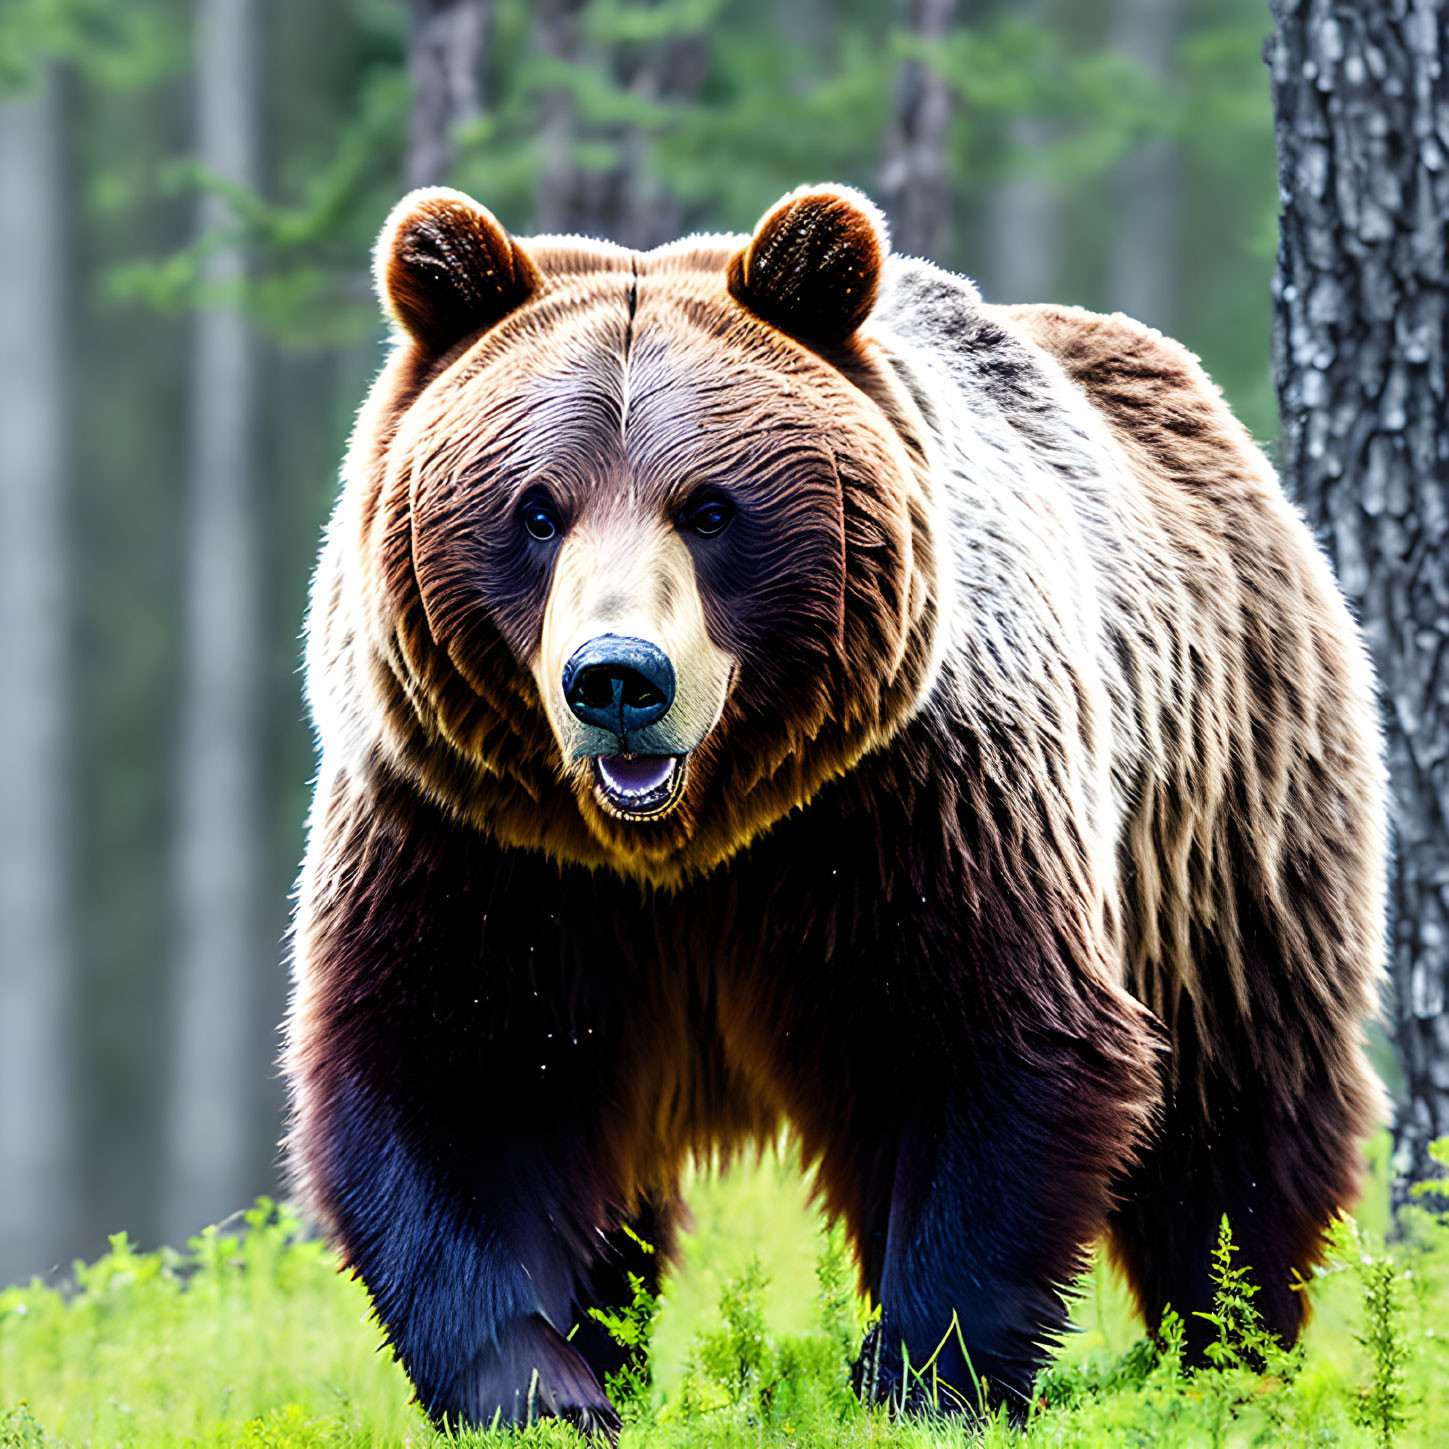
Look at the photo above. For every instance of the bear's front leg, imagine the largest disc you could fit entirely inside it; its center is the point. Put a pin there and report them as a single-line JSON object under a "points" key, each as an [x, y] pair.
{"points": [[453, 1045], [475, 1288], [1000, 1186]]}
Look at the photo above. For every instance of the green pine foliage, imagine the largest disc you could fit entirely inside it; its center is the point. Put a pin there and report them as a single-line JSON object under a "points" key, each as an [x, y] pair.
{"points": [[789, 95], [632, 1328], [119, 46], [251, 1338], [1385, 1400]]}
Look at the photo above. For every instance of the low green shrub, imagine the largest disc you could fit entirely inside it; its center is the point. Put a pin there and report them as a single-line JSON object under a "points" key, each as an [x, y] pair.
{"points": [[250, 1339]]}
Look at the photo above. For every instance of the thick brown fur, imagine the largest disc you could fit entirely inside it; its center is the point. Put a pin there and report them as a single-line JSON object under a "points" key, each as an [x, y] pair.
{"points": [[1031, 870], [1253, 865]]}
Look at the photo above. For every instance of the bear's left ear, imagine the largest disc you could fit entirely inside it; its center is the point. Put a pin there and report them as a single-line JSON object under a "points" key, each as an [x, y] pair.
{"points": [[813, 265], [445, 267]]}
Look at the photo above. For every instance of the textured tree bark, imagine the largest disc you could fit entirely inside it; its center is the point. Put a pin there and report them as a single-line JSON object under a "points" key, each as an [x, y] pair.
{"points": [[618, 201], [1362, 105], [915, 179], [37, 957], [447, 49], [218, 961], [1142, 275]]}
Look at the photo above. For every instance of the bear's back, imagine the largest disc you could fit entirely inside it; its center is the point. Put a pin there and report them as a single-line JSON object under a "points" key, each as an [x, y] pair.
{"points": [[1293, 850], [1247, 764]]}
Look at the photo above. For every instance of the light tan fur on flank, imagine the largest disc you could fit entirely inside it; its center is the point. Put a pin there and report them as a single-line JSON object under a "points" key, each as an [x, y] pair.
{"points": [[1253, 698]]}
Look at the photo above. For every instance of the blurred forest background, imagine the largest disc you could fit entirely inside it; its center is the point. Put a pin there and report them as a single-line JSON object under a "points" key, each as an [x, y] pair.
{"points": [[188, 193]]}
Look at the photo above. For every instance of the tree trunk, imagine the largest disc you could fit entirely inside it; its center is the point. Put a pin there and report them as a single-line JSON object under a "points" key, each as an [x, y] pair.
{"points": [[37, 959], [620, 201], [217, 1053], [560, 205], [1360, 94], [1142, 272], [669, 70], [1022, 257], [915, 177], [447, 50], [1024, 234]]}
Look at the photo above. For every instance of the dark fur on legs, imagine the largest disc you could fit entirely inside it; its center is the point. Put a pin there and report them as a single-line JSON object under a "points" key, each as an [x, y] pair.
{"points": [[1278, 1163]]}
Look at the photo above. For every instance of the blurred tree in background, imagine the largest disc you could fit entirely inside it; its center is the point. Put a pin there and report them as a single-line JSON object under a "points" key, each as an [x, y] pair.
{"points": [[37, 944], [216, 847], [190, 190]]}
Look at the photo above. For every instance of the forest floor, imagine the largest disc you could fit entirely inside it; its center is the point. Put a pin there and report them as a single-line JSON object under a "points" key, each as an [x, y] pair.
{"points": [[253, 1339]]}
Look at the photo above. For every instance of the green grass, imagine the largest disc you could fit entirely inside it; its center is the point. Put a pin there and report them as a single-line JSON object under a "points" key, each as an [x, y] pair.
{"points": [[253, 1339]]}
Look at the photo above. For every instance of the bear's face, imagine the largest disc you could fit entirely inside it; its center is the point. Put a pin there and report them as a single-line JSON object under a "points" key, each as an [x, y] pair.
{"points": [[677, 561]]}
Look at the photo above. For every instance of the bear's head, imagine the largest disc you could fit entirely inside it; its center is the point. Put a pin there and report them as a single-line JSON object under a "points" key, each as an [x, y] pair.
{"points": [[645, 538]]}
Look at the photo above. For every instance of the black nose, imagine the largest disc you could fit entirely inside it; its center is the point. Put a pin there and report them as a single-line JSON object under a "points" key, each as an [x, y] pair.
{"points": [[619, 684]]}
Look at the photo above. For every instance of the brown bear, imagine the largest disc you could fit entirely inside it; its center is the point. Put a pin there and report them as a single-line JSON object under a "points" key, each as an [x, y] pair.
{"points": [[759, 683]]}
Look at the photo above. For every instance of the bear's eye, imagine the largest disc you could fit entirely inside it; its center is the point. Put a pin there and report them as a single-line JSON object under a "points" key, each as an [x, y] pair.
{"points": [[541, 519], [708, 518]]}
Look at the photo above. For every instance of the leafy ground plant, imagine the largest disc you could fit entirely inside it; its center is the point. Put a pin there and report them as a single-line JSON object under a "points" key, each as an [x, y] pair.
{"points": [[251, 1338], [632, 1328], [1384, 1402]]}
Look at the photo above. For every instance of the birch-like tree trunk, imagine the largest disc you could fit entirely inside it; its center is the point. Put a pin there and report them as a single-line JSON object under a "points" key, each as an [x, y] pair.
{"points": [[447, 50], [915, 175], [37, 957], [217, 1052], [1361, 97], [1142, 272]]}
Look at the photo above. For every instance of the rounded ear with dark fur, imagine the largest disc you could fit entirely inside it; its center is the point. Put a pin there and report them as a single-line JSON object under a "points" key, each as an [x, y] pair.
{"points": [[813, 266], [445, 267]]}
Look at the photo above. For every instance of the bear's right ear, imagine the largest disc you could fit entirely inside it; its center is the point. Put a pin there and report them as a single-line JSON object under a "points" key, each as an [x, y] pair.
{"points": [[445, 267]]}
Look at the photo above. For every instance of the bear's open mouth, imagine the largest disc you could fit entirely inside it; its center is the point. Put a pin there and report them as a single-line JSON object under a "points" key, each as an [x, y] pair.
{"points": [[639, 787]]}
